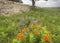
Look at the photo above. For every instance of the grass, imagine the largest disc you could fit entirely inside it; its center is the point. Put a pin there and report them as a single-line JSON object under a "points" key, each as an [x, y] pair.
{"points": [[11, 25]]}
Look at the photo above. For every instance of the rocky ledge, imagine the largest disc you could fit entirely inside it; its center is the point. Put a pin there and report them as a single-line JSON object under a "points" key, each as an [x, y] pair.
{"points": [[10, 7]]}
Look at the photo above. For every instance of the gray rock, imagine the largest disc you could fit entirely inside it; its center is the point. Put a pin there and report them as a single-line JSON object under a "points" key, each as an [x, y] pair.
{"points": [[10, 7]]}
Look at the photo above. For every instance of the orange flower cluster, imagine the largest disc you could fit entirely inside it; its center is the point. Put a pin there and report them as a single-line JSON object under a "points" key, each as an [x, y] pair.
{"points": [[25, 30], [36, 32], [32, 26], [47, 38], [21, 36]]}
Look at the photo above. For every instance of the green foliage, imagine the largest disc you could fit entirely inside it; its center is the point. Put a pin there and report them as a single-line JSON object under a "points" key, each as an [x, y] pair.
{"points": [[7, 29], [10, 26]]}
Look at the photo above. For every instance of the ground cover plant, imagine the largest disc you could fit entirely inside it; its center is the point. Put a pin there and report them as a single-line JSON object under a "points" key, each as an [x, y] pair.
{"points": [[12, 27], [34, 34]]}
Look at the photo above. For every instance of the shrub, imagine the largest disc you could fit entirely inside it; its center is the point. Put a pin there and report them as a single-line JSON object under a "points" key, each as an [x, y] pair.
{"points": [[34, 34]]}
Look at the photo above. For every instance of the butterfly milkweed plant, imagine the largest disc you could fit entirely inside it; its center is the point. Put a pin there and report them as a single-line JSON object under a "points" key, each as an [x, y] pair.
{"points": [[33, 34]]}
